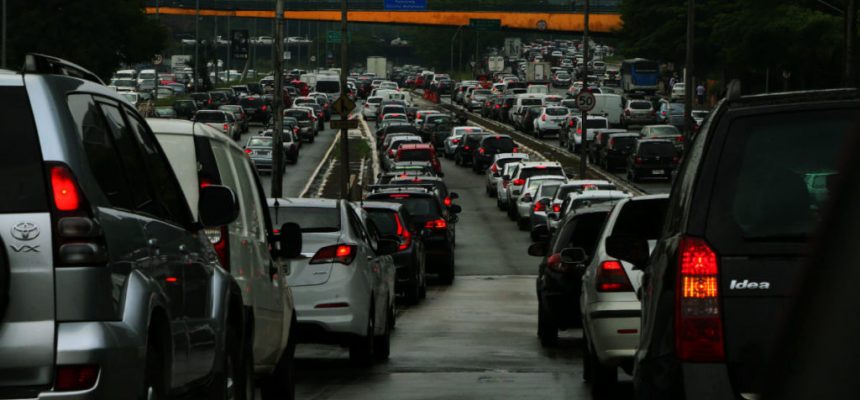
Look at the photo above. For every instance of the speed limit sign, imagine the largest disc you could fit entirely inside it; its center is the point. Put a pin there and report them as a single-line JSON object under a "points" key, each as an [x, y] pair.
{"points": [[585, 101]]}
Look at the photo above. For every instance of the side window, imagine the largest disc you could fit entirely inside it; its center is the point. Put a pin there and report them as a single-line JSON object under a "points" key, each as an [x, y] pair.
{"points": [[252, 210], [131, 160], [100, 152], [164, 185], [359, 226], [229, 179]]}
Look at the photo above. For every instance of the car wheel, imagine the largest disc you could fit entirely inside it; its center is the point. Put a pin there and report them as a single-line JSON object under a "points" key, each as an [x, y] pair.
{"points": [[413, 290], [382, 344], [361, 348], [155, 373], [446, 274], [603, 377], [547, 329], [236, 378], [282, 383]]}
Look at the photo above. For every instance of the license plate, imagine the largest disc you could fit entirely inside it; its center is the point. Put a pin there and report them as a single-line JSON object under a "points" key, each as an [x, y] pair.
{"points": [[658, 172], [262, 153]]}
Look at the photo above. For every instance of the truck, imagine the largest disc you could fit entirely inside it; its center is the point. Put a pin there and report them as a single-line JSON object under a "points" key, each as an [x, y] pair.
{"points": [[538, 72], [378, 66]]}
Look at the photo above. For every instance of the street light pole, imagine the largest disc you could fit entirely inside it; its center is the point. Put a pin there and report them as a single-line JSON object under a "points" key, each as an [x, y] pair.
{"points": [[344, 132], [689, 70], [583, 142], [278, 103], [452, 46], [196, 74], [850, 39]]}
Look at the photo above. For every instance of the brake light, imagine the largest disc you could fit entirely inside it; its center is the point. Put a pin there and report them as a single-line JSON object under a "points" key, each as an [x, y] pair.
{"points": [[296, 129], [612, 278], [579, 131], [248, 151], [680, 139], [556, 208], [391, 153], [570, 123], [66, 195], [554, 263], [226, 128], [220, 240], [612, 142], [455, 141], [405, 235], [497, 107], [339, 253], [466, 147], [447, 201], [398, 196], [698, 323], [436, 224], [626, 112], [494, 169], [481, 150], [519, 182], [516, 150], [543, 117], [540, 206], [637, 160], [76, 377]]}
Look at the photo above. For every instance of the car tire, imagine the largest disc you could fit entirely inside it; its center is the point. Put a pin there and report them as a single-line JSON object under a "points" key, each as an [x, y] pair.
{"points": [[282, 383], [523, 224], [603, 377], [382, 344], [361, 348], [155, 372], [547, 329], [446, 274], [235, 380]]}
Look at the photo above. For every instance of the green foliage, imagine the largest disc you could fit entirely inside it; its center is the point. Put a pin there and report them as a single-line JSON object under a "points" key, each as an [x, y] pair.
{"points": [[96, 34]]}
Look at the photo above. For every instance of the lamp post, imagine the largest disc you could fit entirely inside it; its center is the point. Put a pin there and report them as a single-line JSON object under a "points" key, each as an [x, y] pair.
{"points": [[452, 45], [278, 103]]}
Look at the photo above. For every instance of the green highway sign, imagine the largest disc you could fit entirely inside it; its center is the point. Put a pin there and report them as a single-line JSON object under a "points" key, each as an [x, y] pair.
{"points": [[486, 24], [334, 37]]}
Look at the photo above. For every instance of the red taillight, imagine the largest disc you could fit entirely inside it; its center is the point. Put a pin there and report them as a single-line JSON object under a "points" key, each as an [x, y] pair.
{"points": [[626, 112], [296, 129], [226, 127], [264, 108], [698, 323], [436, 224], [455, 141], [612, 278], [391, 153], [570, 123], [339, 253], [494, 169], [481, 150], [543, 117], [497, 107], [465, 147], [399, 196], [554, 263], [76, 377], [516, 150], [66, 195], [248, 151], [220, 240], [637, 160], [540, 206], [679, 139], [447, 202], [611, 142], [519, 182], [405, 235], [579, 131], [556, 208]]}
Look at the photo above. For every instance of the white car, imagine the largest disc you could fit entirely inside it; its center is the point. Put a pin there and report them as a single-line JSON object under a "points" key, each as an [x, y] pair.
{"points": [[502, 185], [678, 92], [575, 200], [370, 107], [243, 246], [223, 121], [608, 303], [523, 171], [592, 123], [497, 169], [343, 282], [549, 121], [525, 201]]}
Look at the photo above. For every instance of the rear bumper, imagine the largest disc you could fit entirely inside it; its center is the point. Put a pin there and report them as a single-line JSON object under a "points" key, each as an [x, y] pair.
{"points": [[319, 324], [264, 164], [614, 330], [118, 350]]}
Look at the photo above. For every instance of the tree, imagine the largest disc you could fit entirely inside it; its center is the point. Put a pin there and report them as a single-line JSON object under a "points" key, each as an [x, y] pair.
{"points": [[99, 35]]}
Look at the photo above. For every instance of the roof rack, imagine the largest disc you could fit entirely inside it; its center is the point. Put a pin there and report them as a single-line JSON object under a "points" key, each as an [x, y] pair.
{"points": [[35, 63]]}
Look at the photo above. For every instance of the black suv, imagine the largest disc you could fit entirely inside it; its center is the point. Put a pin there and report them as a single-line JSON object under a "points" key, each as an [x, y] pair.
{"points": [[469, 144], [488, 147], [435, 221], [719, 281], [394, 221], [652, 158], [614, 153]]}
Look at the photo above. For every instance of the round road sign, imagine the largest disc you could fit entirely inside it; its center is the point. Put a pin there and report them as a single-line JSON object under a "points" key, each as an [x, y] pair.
{"points": [[585, 101]]}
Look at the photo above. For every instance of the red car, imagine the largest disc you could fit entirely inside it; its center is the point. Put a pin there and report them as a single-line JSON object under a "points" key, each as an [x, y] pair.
{"points": [[419, 152]]}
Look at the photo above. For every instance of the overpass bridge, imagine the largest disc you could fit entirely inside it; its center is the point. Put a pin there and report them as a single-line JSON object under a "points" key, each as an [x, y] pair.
{"points": [[538, 15]]}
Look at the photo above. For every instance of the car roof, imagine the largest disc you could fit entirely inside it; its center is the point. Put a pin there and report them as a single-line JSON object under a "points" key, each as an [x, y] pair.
{"points": [[303, 202], [601, 194], [381, 205], [184, 127]]}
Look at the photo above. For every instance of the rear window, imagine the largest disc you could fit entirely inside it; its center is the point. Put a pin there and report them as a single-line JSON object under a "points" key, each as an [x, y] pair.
{"points": [[505, 161], [482, 92], [556, 111], [384, 221], [20, 156], [328, 86], [200, 96], [414, 155], [502, 144], [596, 123], [662, 149], [309, 219], [251, 102], [530, 102], [374, 100], [209, 117], [640, 105], [533, 171], [665, 131], [642, 219], [548, 190], [765, 149], [260, 142], [420, 208], [623, 141], [581, 231], [297, 114]]}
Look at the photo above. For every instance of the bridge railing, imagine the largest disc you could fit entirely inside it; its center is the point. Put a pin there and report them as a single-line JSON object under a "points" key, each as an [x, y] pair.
{"points": [[555, 6]]}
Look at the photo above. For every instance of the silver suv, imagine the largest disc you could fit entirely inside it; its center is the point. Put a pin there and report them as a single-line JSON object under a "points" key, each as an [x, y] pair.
{"points": [[114, 291]]}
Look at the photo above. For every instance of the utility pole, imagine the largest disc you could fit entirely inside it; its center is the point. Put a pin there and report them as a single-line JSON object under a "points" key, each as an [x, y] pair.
{"points": [[344, 132], [197, 46], [278, 103], [3, 61], [229, 48], [477, 59], [689, 71], [850, 39], [583, 145]]}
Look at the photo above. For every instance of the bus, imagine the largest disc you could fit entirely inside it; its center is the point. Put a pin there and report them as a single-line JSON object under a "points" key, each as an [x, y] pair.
{"points": [[639, 75]]}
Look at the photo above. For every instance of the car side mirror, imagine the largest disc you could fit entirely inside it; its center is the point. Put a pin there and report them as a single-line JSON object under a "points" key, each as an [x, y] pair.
{"points": [[386, 246], [290, 241], [573, 256], [454, 195], [538, 249], [455, 208], [631, 249], [217, 206]]}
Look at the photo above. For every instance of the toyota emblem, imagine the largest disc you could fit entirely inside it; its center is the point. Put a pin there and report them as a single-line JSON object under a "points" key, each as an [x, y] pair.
{"points": [[25, 231]]}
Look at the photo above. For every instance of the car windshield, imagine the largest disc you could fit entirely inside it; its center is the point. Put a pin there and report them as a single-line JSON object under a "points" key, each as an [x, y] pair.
{"points": [[665, 131], [260, 142], [414, 155], [557, 111], [640, 105], [309, 219]]}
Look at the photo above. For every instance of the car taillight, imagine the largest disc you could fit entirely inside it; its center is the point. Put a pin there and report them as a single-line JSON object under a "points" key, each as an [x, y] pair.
{"points": [[611, 277], [436, 224], [226, 127], [494, 169], [579, 131], [626, 112], [403, 233], [698, 323], [519, 182], [391, 153], [466, 147], [296, 129], [679, 139], [540, 206], [65, 190], [455, 141], [637, 160], [497, 107], [611, 142], [249, 151], [220, 240], [543, 117], [447, 201], [78, 238], [75, 377], [481, 150], [339, 253], [554, 263], [556, 208], [663, 112]]}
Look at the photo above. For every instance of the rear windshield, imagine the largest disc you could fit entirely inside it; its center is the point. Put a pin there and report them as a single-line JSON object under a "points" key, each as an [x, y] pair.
{"points": [[309, 219], [548, 190], [765, 149], [640, 105], [414, 155], [393, 109], [328, 86], [20, 155], [588, 202], [642, 219], [662, 149], [530, 102], [251, 102], [374, 100], [596, 123], [297, 114], [505, 161], [481, 92], [557, 111], [533, 171], [665, 131], [623, 141], [421, 208], [502, 144], [567, 189], [209, 117], [260, 142], [582, 231], [384, 221], [200, 96]]}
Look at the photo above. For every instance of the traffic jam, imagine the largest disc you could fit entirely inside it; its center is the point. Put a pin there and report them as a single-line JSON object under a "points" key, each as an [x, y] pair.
{"points": [[563, 223]]}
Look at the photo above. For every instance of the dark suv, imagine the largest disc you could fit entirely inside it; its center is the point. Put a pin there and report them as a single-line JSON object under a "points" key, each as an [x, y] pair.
{"points": [[469, 143], [394, 221], [732, 251], [652, 158], [488, 147], [114, 289], [435, 221]]}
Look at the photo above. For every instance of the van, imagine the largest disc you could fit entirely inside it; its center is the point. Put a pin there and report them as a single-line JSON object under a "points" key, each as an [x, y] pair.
{"points": [[538, 89], [610, 106], [529, 99], [202, 156], [329, 85]]}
